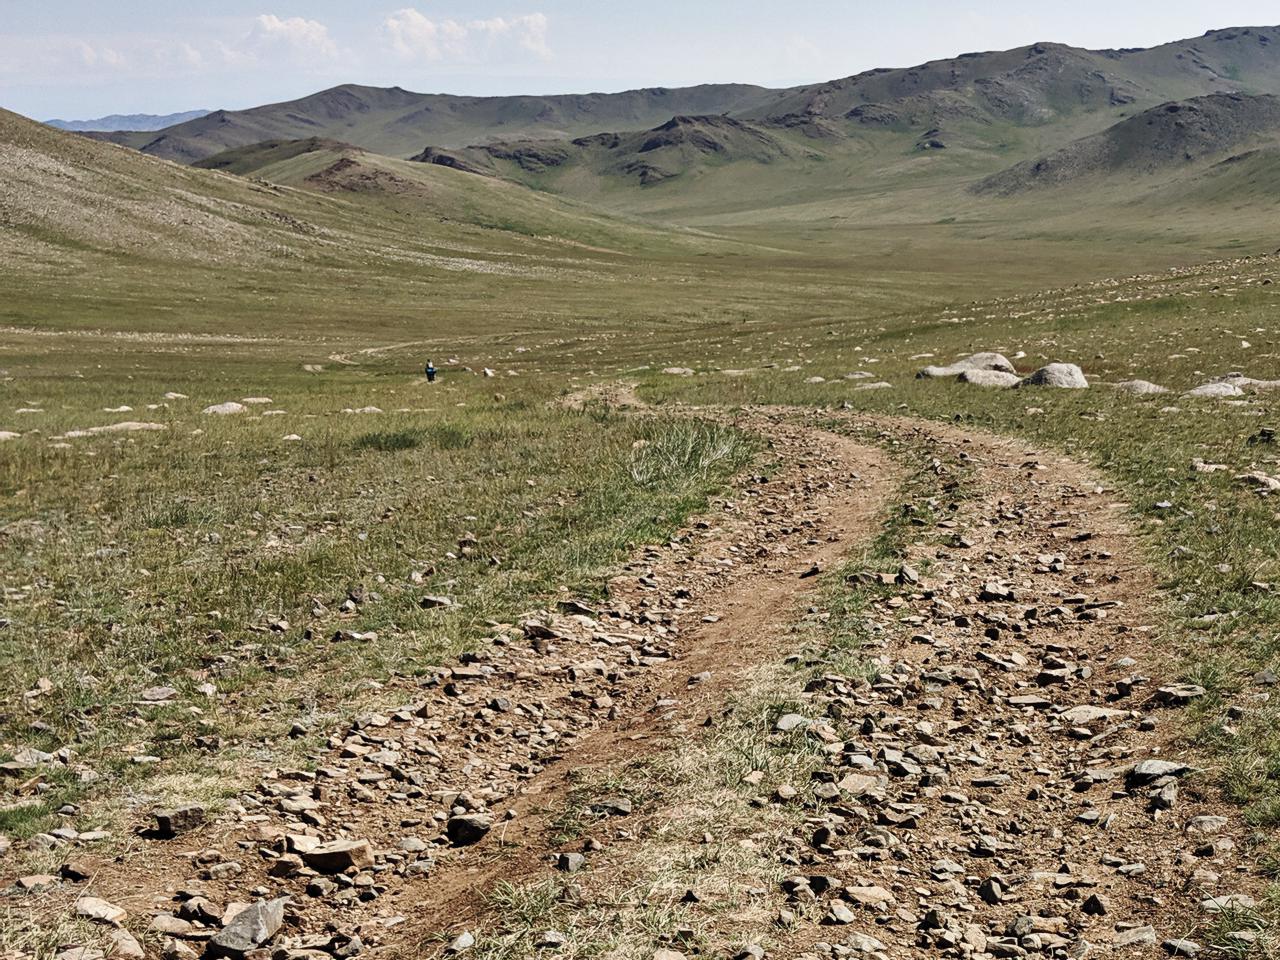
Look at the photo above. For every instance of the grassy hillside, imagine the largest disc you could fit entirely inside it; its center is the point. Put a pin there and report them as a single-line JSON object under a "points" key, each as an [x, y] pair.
{"points": [[98, 235], [1171, 137]]}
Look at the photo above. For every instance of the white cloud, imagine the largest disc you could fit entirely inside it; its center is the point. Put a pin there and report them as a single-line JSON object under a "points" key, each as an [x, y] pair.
{"points": [[99, 56], [414, 36], [295, 33]]}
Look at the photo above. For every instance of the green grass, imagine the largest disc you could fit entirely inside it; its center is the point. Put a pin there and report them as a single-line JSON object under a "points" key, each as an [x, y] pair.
{"points": [[136, 561]]}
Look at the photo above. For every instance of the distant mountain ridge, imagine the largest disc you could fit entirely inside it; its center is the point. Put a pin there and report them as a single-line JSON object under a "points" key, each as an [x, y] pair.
{"points": [[117, 122], [397, 122]]}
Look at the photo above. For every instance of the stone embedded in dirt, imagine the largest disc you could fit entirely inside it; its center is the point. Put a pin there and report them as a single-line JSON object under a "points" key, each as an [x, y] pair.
{"points": [[977, 361], [869, 896], [170, 925], [1148, 771], [430, 603], [1136, 937], [125, 944], [1141, 388], [995, 379], [1179, 694], [177, 950], [677, 371], [463, 941], [1095, 906], [570, 862], [1206, 825], [339, 856], [1065, 376], [75, 871], [158, 694], [1233, 902], [100, 911], [612, 807], [551, 940], [225, 409], [170, 823], [790, 721], [1086, 714], [468, 828], [840, 914], [9, 435], [249, 929], [79, 953], [1181, 948]]}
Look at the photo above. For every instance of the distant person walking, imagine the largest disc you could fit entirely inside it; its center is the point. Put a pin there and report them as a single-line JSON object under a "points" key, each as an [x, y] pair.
{"points": [[431, 372]]}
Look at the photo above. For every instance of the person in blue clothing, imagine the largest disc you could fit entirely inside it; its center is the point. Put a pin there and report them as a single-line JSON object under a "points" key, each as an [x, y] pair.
{"points": [[431, 372]]}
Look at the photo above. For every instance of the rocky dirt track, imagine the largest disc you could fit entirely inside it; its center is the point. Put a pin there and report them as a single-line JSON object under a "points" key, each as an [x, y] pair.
{"points": [[1003, 786]]}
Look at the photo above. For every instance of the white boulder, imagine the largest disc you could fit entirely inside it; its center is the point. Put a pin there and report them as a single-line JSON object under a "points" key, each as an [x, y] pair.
{"points": [[1217, 389], [976, 361], [1141, 388], [1064, 376], [990, 378], [225, 409]]}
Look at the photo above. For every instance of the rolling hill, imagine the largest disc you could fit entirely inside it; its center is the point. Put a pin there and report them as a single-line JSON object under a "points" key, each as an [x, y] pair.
{"points": [[1177, 136], [95, 234]]}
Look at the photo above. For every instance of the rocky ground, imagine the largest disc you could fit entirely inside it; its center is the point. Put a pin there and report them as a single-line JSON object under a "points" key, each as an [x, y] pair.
{"points": [[1001, 783]]}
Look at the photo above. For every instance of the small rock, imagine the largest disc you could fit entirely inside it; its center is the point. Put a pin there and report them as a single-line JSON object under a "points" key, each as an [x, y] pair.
{"points": [[100, 911], [339, 856], [463, 941], [1137, 937], [170, 823], [249, 929], [468, 828], [790, 721]]}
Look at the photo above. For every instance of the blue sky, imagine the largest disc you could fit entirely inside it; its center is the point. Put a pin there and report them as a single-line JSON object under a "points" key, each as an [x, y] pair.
{"points": [[84, 58]]}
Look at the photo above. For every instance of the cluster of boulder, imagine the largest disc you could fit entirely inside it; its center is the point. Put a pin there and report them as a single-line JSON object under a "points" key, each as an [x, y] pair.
{"points": [[996, 370]]}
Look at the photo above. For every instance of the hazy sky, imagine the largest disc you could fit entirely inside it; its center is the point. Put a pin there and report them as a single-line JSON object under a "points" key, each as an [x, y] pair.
{"points": [[83, 58]]}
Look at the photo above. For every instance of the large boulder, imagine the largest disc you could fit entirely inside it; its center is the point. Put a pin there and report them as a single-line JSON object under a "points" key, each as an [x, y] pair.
{"points": [[990, 378], [976, 361], [1249, 383], [1064, 376], [1216, 390], [225, 409], [1141, 388]]}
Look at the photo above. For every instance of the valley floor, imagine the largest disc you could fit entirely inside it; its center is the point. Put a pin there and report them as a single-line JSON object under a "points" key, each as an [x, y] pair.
{"points": [[714, 635]]}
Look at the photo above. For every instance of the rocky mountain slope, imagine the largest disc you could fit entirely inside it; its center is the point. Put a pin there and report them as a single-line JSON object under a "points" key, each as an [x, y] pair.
{"points": [[1171, 137], [682, 144]]}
